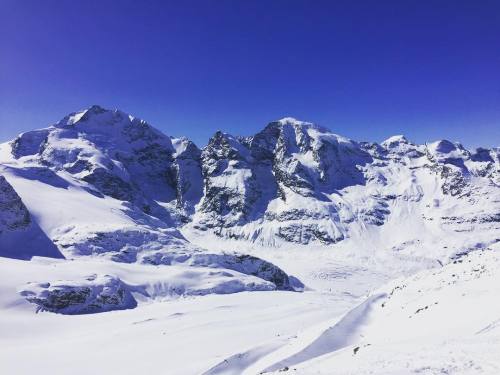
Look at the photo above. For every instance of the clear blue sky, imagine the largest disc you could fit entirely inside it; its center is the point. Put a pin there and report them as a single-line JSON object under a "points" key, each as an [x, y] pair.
{"points": [[365, 69]]}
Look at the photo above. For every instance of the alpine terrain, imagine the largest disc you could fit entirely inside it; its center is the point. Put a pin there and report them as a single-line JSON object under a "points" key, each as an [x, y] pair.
{"points": [[125, 250]]}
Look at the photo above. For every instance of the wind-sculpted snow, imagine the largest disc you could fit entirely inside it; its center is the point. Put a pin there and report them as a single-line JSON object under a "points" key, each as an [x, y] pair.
{"points": [[441, 321], [345, 332], [245, 264]]}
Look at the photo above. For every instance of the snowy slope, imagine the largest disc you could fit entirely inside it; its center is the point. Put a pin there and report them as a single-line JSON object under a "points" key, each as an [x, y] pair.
{"points": [[174, 335], [20, 236], [440, 321]]}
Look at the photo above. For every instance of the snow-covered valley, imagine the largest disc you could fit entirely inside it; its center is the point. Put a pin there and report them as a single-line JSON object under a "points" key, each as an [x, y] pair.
{"points": [[125, 250]]}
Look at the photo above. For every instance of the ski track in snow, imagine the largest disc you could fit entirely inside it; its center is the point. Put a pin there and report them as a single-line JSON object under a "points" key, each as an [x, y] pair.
{"points": [[342, 334]]}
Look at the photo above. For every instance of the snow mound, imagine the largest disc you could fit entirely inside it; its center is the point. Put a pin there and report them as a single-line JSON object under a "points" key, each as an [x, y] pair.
{"points": [[245, 264]]}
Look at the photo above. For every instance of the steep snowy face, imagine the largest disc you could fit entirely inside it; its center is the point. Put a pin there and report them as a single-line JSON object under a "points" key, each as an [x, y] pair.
{"points": [[118, 155], [308, 159], [107, 184], [230, 186]]}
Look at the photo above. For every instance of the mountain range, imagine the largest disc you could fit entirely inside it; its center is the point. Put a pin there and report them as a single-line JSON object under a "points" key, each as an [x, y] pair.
{"points": [[292, 182], [116, 215]]}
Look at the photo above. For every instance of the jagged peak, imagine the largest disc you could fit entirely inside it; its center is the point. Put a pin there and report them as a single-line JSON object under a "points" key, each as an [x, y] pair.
{"points": [[220, 136], [225, 144], [96, 108]]}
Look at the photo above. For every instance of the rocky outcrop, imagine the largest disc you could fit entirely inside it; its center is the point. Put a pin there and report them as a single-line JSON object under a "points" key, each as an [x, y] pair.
{"points": [[14, 214], [94, 294]]}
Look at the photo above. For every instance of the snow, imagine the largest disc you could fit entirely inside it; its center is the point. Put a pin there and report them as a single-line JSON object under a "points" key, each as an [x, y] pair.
{"points": [[180, 145], [190, 334], [357, 257], [50, 207], [440, 321], [391, 330]]}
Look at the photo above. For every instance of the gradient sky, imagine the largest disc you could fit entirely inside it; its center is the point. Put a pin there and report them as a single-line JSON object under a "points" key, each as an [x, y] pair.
{"points": [[364, 69]]}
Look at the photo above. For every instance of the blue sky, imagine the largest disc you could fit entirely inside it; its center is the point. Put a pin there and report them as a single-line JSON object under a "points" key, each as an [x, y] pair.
{"points": [[365, 69]]}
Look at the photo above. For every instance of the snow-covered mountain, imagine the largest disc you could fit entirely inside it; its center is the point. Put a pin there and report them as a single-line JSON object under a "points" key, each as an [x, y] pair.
{"points": [[292, 182], [105, 185], [115, 215], [296, 182]]}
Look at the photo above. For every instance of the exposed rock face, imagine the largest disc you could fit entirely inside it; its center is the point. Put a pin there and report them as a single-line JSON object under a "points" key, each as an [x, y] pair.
{"points": [[298, 182], [15, 215], [267, 181], [91, 295], [187, 175], [104, 184]]}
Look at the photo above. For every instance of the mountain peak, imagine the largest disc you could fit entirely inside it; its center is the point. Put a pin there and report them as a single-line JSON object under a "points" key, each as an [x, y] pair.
{"points": [[89, 113], [292, 121], [96, 108], [395, 140]]}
